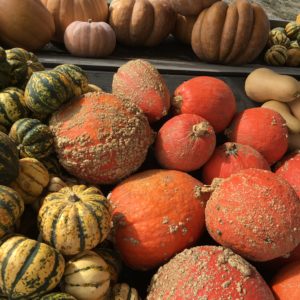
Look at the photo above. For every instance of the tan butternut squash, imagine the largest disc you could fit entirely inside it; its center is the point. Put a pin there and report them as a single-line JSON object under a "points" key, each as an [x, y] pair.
{"points": [[264, 84], [295, 108]]}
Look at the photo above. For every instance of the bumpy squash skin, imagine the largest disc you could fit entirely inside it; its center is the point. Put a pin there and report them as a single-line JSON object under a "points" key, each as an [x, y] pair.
{"points": [[57, 296], [46, 91], [29, 269], [9, 160], [33, 138], [75, 219], [5, 70], [11, 208]]}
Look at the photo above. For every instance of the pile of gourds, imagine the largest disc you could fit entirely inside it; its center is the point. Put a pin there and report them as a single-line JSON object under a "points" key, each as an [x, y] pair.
{"points": [[284, 46]]}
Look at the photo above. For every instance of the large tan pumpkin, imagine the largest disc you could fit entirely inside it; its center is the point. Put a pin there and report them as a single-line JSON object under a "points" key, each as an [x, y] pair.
{"points": [[67, 11], [25, 24], [191, 7]]}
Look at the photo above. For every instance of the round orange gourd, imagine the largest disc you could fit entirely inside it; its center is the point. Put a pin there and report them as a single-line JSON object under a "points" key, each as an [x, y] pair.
{"points": [[157, 213]]}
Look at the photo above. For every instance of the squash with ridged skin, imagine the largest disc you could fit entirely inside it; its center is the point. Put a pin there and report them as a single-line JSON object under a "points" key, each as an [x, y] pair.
{"points": [[75, 219], [277, 55], [183, 28], [52, 165], [33, 178], [5, 70], [122, 291], [46, 91], [191, 7], [278, 38], [32, 138], [57, 296], [9, 160], [28, 268], [11, 208], [292, 29]]}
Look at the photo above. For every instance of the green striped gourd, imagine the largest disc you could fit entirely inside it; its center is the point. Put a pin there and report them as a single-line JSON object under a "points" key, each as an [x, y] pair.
{"points": [[298, 38], [276, 55], [280, 29], [86, 276], [52, 165], [77, 77], [5, 70], [57, 296], [294, 44], [11, 107], [33, 178], [292, 29], [122, 291], [74, 219], [278, 38], [113, 261], [46, 91], [33, 138], [28, 268], [11, 209], [9, 160]]}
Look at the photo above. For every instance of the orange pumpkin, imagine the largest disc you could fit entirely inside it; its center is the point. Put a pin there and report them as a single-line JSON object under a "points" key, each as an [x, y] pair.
{"points": [[156, 213], [191, 7], [67, 11], [183, 28], [25, 24]]}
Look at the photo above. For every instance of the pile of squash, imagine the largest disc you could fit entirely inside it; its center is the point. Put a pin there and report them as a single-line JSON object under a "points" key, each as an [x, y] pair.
{"points": [[284, 45]]}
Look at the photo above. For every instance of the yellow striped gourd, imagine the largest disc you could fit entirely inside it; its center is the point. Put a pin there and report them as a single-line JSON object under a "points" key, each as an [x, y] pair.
{"points": [[276, 55], [278, 38], [57, 296], [292, 29], [122, 291]]}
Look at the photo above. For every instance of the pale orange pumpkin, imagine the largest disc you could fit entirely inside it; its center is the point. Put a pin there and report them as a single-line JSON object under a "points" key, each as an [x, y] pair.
{"points": [[191, 7], [67, 11], [90, 39], [25, 24]]}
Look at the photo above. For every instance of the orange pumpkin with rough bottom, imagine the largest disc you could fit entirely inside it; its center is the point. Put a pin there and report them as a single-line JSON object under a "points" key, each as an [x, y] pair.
{"points": [[100, 138], [156, 213]]}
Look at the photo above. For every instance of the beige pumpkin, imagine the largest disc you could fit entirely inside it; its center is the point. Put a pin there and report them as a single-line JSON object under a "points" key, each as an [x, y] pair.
{"points": [[86, 277], [67, 11], [191, 7], [33, 178], [90, 39]]}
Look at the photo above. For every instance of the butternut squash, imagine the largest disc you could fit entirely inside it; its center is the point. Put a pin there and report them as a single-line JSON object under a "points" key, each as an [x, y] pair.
{"points": [[264, 84], [295, 108]]}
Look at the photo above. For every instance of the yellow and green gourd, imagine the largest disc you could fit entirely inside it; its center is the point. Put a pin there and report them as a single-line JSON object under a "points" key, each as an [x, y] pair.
{"points": [[122, 291], [46, 91], [75, 219], [292, 29], [9, 160], [32, 138], [5, 70], [278, 38], [294, 44], [57, 296], [33, 178], [11, 107], [28, 268], [11, 209], [276, 55]]}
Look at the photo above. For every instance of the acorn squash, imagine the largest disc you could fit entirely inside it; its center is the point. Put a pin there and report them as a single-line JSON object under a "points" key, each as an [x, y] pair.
{"points": [[276, 56], [5, 70]]}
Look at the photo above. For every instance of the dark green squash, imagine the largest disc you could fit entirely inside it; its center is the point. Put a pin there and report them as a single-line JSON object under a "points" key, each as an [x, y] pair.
{"points": [[5, 70], [52, 165], [77, 77], [9, 160], [57, 296], [11, 107], [46, 91], [32, 138]]}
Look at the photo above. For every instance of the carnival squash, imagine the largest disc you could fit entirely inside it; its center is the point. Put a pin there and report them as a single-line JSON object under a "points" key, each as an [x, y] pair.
{"points": [[5, 70], [292, 29], [58, 296], [277, 55], [277, 37], [122, 291]]}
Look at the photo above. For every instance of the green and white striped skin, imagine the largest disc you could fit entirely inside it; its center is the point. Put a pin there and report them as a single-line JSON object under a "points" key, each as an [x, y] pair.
{"points": [[32, 138], [57, 296], [77, 77], [5, 70], [122, 291], [9, 160], [75, 219], [46, 91], [11, 107], [276, 56], [52, 165], [11, 209], [86, 277], [295, 44], [292, 29], [278, 38], [28, 269]]}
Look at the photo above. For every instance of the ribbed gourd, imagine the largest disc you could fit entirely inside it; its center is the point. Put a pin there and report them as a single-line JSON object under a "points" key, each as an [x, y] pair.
{"points": [[11, 209], [292, 29], [46, 91], [77, 77], [52, 165], [278, 38], [28, 268], [57, 296], [276, 56], [75, 219], [294, 44], [122, 291], [9, 160], [11, 107], [5, 70], [33, 178], [32, 138]]}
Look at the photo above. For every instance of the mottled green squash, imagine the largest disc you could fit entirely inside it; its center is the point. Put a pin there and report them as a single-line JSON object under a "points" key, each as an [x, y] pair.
{"points": [[52, 165], [11, 107], [278, 38], [75, 219], [32, 138], [28, 268], [11, 209], [292, 29], [9, 160], [46, 91], [57, 296], [276, 56], [77, 77], [5, 70]]}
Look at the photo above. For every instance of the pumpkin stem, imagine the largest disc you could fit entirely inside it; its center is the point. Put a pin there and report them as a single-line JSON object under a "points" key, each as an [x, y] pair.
{"points": [[177, 103], [74, 198], [231, 149], [210, 188], [201, 129]]}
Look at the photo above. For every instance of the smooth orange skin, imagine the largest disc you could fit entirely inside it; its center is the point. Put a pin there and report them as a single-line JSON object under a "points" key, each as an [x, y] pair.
{"points": [[157, 213]]}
